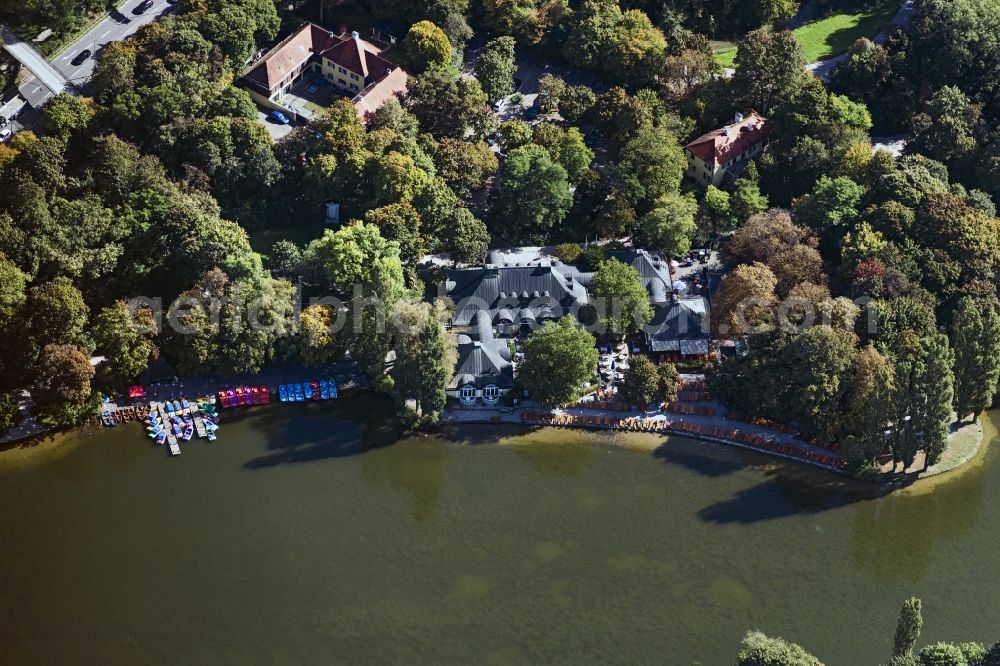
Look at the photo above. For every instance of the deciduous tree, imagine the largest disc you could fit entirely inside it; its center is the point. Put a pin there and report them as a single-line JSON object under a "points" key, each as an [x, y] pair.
{"points": [[426, 46], [976, 336], [625, 303], [558, 359], [495, 68]]}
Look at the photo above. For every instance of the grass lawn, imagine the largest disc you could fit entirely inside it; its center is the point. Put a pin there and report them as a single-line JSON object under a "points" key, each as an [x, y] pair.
{"points": [[832, 35]]}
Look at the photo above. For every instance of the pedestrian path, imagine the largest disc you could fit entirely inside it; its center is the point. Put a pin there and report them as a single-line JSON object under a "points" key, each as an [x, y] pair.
{"points": [[25, 54]]}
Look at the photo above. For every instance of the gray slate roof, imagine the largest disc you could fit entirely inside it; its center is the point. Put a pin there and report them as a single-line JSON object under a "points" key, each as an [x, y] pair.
{"points": [[524, 292], [680, 326], [484, 361]]}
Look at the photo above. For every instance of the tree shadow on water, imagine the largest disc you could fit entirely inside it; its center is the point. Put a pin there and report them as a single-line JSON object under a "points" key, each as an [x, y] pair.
{"points": [[316, 431], [789, 493], [712, 463]]}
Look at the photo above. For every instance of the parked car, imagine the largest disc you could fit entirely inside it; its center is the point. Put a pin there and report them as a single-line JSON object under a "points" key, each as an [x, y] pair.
{"points": [[143, 6], [280, 117], [5, 133], [499, 104], [81, 56], [312, 89]]}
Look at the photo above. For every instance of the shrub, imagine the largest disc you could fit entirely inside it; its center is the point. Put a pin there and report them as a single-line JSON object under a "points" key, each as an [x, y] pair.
{"points": [[593, 256], [568, 253], [10, 415]]}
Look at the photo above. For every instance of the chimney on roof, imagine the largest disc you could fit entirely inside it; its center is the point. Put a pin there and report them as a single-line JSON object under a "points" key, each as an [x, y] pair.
{"points": [[739, 117], [354, 35], [728, 131]]}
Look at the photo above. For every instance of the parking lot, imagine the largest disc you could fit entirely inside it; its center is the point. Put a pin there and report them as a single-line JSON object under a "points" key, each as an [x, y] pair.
{"points": [[311, 95], [273, 127]]}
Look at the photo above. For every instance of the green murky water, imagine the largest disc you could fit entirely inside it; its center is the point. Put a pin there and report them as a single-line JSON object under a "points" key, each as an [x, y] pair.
{"points": [[284, 543]]}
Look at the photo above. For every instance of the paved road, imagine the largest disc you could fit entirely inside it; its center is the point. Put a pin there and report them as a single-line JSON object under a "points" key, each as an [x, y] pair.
{"points": [[120, 23], [34, 62]]}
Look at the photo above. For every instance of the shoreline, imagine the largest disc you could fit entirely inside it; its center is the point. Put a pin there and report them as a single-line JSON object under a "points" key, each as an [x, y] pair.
{"points": [[36, 449], [901, 480]]}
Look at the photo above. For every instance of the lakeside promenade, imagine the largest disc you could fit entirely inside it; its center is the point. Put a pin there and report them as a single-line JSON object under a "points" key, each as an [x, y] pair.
{"points": [[964, 439]]}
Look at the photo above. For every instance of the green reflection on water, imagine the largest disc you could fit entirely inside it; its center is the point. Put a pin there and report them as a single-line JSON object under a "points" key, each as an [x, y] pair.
{"points": [[304, 537]]}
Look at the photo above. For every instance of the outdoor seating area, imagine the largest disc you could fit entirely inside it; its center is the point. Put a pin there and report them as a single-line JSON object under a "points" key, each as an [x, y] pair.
{"points": [[713, 433], [689, 410]]}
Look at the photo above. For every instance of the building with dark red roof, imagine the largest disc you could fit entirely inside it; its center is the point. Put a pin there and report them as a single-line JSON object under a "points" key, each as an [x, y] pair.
{"points": [[352, 65], [722, 153]]}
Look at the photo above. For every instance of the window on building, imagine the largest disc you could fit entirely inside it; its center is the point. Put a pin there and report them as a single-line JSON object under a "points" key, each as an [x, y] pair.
{"points": [[342, 82], [491, 393], [354, 76], [467, 393], [342, 70]]}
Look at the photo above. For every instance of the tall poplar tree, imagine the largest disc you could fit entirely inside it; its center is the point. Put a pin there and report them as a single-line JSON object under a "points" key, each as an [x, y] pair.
{"points": [[924, 395], [976, 335]]}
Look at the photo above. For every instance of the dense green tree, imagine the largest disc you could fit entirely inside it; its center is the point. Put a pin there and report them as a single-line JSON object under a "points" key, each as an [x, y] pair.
{"points": [[400, 223], [56, 313], [62, 390], [125, 341], [716, 211], [551, 89], [831, 209], [821, 360], [495, 68], [10, 413], [527, 20], [533, 195], [924, 396], [65, 114], [392, 116], [12, 290], [670, 382], [566, 146], [954, 42], [869, 409], [651, 166], [285, 260], [513, 134], [976, 337], [641, 381], [425, 357], [448, 107], [469, 239], [357, 254], [426, 46], [465, 165], [746, 199], [759, 650], [232, 30], [623, 42], [622, 301], [315, 340], [768, 69], [668, 227], [621, 116], [576, 102], [942, 654], [559, 359]]}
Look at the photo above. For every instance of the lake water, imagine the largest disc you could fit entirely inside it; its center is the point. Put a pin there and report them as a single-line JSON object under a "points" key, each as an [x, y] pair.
{"points": [[287, 542]]}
